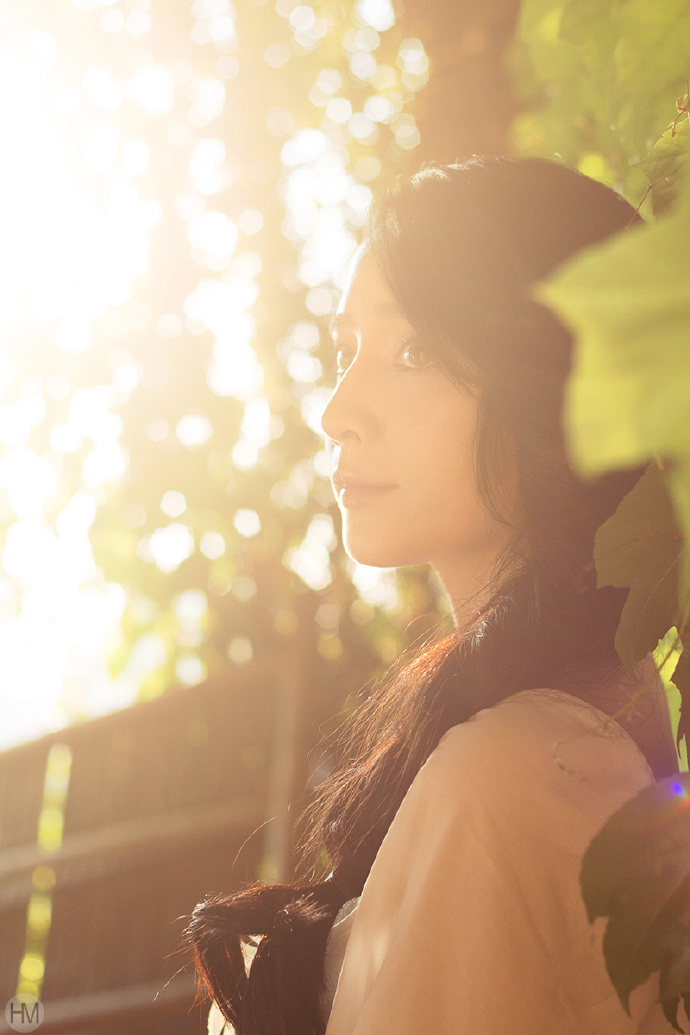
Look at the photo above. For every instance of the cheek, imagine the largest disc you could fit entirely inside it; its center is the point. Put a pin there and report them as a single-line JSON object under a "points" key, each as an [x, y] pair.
{"points": [[449, 512], [441, 447], [442, 470], [428, 440]]}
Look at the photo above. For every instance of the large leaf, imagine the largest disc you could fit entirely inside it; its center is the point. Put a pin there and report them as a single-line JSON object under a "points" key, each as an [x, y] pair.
{"points": [[628, 302], [640, 547], [681, 679], [667, 657], [636, 872]]}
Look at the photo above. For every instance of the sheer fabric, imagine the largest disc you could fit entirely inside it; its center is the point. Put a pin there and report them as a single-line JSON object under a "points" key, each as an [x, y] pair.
{"points": [[472, 918]]}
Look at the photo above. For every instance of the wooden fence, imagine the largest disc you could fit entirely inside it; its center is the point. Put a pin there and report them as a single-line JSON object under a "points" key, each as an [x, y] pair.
{"points": [[166, 802]]}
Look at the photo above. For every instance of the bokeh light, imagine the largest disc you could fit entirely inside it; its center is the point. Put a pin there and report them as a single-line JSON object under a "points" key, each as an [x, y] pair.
{"points": [[167, 266]]}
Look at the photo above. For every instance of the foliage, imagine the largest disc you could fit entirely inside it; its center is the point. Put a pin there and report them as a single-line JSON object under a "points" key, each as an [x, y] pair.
{"points": [[629, 301], [635, 872], [600, 81], [665, 165], [642, 538]]}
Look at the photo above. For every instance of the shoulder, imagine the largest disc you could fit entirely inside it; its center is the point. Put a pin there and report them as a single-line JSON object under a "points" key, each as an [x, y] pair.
{"points": [[472, 911], [542, 742]]}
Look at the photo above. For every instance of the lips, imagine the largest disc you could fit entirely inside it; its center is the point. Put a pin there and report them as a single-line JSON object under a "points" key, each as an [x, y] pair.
{"points": [[352, 490]]}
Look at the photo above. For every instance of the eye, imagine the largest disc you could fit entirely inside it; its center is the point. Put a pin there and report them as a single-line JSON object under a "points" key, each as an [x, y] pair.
{"points": [[413, 356], [344, 356]]}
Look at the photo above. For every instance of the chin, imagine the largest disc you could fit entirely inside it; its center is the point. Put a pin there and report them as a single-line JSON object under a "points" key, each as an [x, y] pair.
{"points": [[378, 555]]}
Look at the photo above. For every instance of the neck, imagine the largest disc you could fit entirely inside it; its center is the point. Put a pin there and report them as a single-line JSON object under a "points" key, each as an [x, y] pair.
{"points": [[469, 581]]}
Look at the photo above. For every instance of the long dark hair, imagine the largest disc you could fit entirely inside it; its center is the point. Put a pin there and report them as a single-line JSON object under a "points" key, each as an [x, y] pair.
{"points": [[460, 247]]}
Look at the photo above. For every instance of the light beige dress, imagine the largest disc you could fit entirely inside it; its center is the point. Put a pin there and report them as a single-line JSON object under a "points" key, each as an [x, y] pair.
{"points": [[472, 920]]}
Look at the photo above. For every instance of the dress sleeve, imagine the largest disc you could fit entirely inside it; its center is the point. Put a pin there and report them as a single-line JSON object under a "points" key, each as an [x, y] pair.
{"points": [[472, 920]]}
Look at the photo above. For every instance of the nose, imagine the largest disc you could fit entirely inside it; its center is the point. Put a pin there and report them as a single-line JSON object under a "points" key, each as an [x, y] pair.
{"points": [[350, 415]]}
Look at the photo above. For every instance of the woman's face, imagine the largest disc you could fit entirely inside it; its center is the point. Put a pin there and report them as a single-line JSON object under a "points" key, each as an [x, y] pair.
{"points": [[403, 445]]}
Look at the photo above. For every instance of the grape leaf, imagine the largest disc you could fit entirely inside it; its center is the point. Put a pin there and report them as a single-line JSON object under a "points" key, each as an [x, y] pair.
{"points": [[628, 301], [681, 680], [635, 873], [640, 547], [635, 946], [667, 657], [674, 984], [666, 166]]}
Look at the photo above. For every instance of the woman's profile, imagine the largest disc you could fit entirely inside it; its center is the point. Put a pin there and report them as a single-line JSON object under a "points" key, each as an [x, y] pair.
{"points": [[439, 887]]}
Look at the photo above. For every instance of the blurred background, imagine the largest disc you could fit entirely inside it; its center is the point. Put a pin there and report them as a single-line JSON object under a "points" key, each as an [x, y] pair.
{"points": [[181, 186]]}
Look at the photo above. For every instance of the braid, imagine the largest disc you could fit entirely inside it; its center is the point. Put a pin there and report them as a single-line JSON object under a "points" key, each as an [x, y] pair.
{"points": [[286, 927]]}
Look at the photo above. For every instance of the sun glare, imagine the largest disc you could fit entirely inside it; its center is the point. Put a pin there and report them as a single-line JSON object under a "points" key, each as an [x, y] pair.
{"points": [[94, 101], [75, 238]]}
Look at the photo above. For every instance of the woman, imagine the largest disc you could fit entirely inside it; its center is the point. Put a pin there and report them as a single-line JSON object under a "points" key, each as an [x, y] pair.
{"points": [[472, 782]]}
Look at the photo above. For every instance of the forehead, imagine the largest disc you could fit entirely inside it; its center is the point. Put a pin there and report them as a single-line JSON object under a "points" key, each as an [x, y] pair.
{"points": [[366, 294]]}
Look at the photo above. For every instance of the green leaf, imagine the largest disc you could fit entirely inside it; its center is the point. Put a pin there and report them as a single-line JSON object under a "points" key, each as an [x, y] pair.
{"points": [[665, 166], [640, 547], [677, 689], [636, 872], [635, 946], [629, 303], [681, 680], [600, 77], [675, 980]]}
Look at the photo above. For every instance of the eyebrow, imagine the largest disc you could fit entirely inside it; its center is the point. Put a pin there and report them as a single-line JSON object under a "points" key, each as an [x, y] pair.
{"points": [[382, 310], [339, 320], [387, 309]]}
